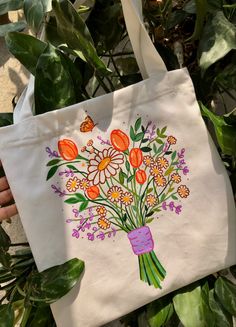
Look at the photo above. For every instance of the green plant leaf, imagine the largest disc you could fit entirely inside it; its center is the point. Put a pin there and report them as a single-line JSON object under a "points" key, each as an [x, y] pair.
{"points": [[53, 162], [12, 27], [10, 5], [6, 315], [230, 118], [226, 294], [75, 33], [5, 259], [226, 77], [188, 304], [225, 134], [54, 87], [25, 48], [53, 283], [233, 271], [222, 318], [4, 239], [219, 37], [52, 172], [41, 317], [34, 11], [159, 312]]}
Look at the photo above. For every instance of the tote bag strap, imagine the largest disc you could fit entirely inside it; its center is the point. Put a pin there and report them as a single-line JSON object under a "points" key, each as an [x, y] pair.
{"points": [[148, 59]]}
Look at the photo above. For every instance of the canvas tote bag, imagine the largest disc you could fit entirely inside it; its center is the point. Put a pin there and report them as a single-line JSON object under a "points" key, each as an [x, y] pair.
{"points": [[129, 182]]}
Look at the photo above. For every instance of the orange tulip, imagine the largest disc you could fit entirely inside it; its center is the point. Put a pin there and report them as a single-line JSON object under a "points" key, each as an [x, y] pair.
{"points": [[136, 157], [119, 140], [67, 149], [93, 192], [141, 176]]}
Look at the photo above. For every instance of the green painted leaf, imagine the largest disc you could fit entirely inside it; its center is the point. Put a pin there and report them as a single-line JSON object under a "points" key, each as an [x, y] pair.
{"points": [[4, 239], [169, 171], [12, 27], [150, 190], [149, 220], [54, 87], [219, 37], [6, 315], [139, 137], [52, 172], [146, 149], [53, 162], [25, 48], [159, 312], [226, 134], [6, 119], [162, 197], [132, 133], [145, 140], [189, 306], [138, 124], [34, 11], [155, 148], [10, 5], [159, 141], [174, 197], [72, 167], [75, 33], [127, 165], [83, 205], [163, 130], [130, 178], [173, 156], [53, 283], [121, 178], [222, 318], [226, 294]]}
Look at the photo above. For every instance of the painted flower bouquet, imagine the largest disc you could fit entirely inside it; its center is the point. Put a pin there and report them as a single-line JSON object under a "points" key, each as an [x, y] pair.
{"points": [[120, 185]]}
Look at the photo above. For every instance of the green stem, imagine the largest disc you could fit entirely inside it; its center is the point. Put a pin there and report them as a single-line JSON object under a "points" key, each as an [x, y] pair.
{"points": [[26, 316]]}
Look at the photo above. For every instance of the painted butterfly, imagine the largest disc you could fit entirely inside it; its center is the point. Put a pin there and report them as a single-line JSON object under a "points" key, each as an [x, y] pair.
{"points": [[87, 125]]}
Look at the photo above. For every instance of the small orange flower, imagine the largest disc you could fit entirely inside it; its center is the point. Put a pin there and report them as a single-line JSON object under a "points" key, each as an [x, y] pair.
{"points": [[119, 140], [160, 180], [103, 223], [171, 140], [148, 161], [141, 176], [176, 178], [72, 184], [93, 192], [183, 191], [155, 170], [67, 149], [162, 162], [90, 143], [127, 198], [101, 210], [84, 184], [151, 200]]}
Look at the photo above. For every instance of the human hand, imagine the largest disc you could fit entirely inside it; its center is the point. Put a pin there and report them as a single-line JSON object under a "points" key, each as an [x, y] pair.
{"points": [[6, 196]]}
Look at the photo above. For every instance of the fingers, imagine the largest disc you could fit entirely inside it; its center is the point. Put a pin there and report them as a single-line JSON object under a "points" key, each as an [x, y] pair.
{"points": [[3, 184], [8, 212]]}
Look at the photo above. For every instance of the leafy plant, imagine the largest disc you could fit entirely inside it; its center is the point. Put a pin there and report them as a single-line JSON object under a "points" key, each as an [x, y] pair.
{"points": [[87, 48]]}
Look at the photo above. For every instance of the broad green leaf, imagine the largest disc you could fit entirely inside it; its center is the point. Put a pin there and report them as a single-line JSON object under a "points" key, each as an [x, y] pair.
{"points": [[34, 11], [83, 205], [226, 294], [75, 33], [159, 312], [5, 258], [138, 124], [25, 48], [201, 9], [188, 304], [4, 239], [54, 87], [52, 172], [53, 162], [225, 134], [190, 7], [219, 37], [6, 315], [226, 77], [42, 317], [11, 27], [53, 283], [6, 119], [127, 66], [233, 271], [222, 318], [10, 5]]}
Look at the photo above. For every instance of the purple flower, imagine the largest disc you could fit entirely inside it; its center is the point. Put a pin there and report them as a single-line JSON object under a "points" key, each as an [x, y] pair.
{"points": [[164, 207], [90, 236], [185, 170], [58, 191], [166, 146], [181, 153], [171, 206], [182, 162], [101, 236], [178, 209], [75, 212], [75, 233], [67, 173], [91, 215], [94, 229], [51, 153], [103, 142], [68, 221], [87, 226]]}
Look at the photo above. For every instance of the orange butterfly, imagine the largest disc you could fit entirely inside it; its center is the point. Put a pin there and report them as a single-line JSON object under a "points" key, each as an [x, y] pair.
{"points": [[87, 125]]}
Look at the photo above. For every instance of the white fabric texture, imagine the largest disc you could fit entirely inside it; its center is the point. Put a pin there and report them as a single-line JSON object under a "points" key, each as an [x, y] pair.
{"points": [[189, 244]]}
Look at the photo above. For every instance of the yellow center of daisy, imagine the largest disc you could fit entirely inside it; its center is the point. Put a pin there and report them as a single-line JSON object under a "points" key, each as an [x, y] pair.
{"points": [[104, 163], [73, 184], [115, 195], [126, 198]]}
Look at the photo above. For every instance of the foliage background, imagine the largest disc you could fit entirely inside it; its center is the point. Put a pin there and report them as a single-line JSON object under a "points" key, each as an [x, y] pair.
{"points": [[86, 52]]}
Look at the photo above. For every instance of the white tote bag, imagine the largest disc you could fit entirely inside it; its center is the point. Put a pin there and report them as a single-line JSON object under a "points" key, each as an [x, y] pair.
{"points": [[129, 182]]}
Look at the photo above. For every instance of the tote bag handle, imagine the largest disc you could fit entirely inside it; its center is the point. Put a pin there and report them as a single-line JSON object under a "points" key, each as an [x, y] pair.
{"points": [[148, 59]]}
